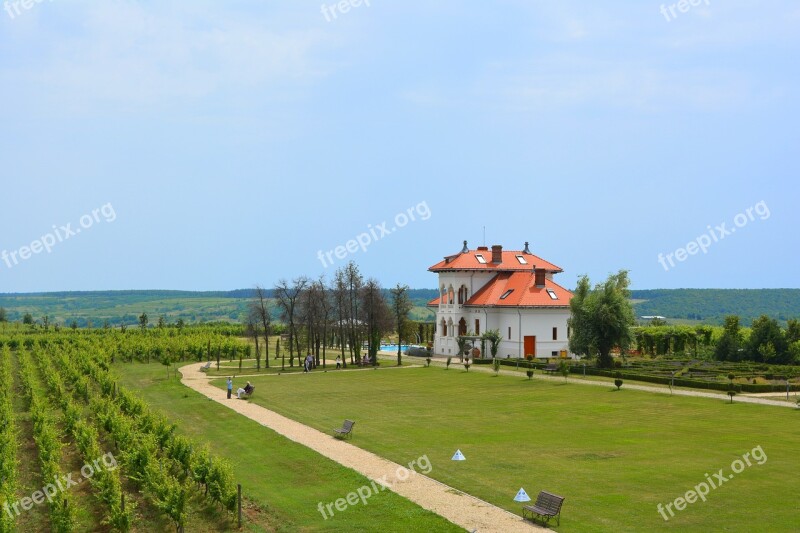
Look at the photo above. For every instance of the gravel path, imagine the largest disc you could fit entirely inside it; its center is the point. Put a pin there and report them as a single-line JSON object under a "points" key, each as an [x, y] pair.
{"points": [[739, 398], [459, 508]]}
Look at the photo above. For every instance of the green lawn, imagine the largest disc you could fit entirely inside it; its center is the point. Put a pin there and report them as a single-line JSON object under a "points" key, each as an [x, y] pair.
{"points": [[614, 455], [284, 480]]}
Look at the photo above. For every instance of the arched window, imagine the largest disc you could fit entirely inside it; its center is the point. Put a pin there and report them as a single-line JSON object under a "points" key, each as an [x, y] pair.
{"points": [[462, 327], [462, 294], [450, 295], [444, 328], [450, 326]]}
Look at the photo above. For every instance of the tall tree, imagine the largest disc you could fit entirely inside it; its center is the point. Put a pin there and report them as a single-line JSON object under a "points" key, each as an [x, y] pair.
{"points": [[767, 341], [264, 314], [309, 315], [340, 308], [143, 321], [251, 328], [27, 318], [401, 307], [354, 283], [325, 311], [729, 345], [792, 330], [378, 316], [601, 318], [287, 296]]}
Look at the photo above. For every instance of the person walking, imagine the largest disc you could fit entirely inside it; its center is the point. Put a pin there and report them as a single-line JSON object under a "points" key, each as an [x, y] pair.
{"points": [[338, 362], [230, 387]]}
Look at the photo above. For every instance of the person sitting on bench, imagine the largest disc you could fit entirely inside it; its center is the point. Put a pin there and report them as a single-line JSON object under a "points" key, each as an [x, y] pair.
{"points": [[246, 390]]}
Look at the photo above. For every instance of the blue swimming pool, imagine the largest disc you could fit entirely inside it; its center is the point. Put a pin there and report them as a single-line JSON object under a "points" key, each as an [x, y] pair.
{"points": [[393, 347]]}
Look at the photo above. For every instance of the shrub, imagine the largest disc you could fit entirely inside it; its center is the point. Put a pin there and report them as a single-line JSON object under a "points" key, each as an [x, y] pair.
{"points": [[529, 373], [563, 368], [447, 364], [618, 383], [731, 393], [496, 365]]}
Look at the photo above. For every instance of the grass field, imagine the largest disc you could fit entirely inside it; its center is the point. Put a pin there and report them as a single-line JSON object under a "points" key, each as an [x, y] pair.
{"points": [[614, 455], [283, 480]]}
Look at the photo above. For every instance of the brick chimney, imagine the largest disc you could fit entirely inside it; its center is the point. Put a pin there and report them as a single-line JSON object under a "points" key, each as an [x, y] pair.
{"points": [[497, 254], [539, 272]]}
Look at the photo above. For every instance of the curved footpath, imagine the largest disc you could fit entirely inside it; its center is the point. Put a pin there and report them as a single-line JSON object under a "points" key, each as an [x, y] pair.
{"points": [[459, 508]]}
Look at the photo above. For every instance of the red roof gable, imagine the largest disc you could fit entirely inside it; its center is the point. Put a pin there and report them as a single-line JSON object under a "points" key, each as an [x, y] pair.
{"points": [[524, 292], [469, 261]]}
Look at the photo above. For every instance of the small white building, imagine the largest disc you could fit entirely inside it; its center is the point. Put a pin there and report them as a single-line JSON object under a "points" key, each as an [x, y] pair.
{"points": [[510, 291]]}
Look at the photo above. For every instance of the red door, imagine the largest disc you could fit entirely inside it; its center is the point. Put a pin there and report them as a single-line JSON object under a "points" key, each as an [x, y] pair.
{"points": [[530, 345]]}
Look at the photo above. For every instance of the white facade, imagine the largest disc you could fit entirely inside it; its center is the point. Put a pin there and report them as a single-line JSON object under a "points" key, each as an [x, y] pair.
{"points": [[521, 327]]}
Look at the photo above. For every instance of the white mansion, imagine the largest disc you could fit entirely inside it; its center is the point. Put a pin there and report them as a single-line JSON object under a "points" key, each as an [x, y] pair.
{"points": [[513, 292]]}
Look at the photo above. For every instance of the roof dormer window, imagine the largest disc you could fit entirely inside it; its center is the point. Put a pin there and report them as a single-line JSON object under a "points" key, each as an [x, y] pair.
{"points": [[521, 260], [480, 259], [506, 294], [552, 293]]}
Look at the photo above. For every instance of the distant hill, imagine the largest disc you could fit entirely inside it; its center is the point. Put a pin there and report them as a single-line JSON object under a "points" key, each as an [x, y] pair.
{"points": [[95, 307], [124, 307], [712, 305]]}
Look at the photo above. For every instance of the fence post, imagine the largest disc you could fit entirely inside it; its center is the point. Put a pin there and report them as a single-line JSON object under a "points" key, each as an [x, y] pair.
{"points": [[239, 488]]}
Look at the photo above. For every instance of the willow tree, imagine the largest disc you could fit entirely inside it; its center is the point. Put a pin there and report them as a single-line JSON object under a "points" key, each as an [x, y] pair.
{"points": [[601, 318]]}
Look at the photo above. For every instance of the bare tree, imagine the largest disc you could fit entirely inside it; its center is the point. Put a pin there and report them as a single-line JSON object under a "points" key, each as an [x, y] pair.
{"points": [[377, 315], [263, 312], [340, 308], [325, 309], [251, 328], [287, 296], [308, 315], [354, 283], [401, 306]]}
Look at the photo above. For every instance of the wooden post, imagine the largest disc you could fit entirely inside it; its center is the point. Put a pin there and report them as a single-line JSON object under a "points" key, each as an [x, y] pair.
{"points": [[239, 488]]}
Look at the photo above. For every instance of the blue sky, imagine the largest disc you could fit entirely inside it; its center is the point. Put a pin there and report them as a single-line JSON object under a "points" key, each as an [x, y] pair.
{"points": [[224, 144]]}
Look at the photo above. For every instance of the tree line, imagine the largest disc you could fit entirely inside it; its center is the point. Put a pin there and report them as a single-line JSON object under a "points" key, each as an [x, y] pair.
{"points": [[341, 314]]}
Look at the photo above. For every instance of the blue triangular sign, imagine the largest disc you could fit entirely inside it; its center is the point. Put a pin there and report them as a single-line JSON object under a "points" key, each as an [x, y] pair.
{"points": [[522, 496], [459, 456]]}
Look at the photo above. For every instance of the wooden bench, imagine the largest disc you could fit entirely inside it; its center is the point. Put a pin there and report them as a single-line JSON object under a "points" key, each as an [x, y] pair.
{"points": [[552, 368], [246, 395], [205, 367], [345, 430], [547, 506]]}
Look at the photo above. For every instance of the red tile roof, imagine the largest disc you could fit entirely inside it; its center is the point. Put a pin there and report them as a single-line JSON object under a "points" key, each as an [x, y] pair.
{"points": [[524, 292], [469, 261]]}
